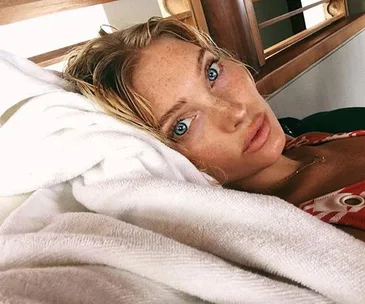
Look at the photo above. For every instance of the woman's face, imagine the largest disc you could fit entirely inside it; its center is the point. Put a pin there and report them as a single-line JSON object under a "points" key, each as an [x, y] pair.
{"points": [[210, 107]]}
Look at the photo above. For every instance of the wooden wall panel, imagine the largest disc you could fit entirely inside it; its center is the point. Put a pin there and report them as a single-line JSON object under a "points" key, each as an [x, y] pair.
{"points": [[229, 26]]}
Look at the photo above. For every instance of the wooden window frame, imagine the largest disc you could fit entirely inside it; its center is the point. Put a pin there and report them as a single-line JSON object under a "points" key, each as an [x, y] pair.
{"points": [[233, 26], [288, 64], [263, 54]]}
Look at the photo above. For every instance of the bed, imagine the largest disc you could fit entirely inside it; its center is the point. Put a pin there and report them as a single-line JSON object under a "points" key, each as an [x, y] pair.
{"points": [[92, 232]]}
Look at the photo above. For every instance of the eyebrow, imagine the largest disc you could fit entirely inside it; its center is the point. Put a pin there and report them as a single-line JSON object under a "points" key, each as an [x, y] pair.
{"points": [[202, 52], [173, 110]]}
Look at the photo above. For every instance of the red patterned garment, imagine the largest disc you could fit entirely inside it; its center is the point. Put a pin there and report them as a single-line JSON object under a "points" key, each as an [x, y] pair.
{"points": [[345, 206]]}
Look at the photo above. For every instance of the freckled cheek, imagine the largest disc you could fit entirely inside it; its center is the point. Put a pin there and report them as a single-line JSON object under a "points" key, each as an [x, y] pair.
{"points": [[245, 92], [207, 153], [202, 138], [233, 84], [212, 147]]}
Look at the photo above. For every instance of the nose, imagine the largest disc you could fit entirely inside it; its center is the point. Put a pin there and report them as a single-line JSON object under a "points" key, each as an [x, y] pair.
{"points": [[228, 115]]}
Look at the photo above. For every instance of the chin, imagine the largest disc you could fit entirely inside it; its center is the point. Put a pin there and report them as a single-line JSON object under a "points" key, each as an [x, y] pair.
{"points": [[264, 158]]}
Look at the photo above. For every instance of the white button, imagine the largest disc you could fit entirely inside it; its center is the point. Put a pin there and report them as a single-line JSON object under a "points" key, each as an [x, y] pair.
{"points": [[352, 200]]}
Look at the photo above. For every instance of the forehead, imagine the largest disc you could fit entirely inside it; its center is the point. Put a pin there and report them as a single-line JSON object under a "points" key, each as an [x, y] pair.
{"points": [[168, 50], [165, 70]]}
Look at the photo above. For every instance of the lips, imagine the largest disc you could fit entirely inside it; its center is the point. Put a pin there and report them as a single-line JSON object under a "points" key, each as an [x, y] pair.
{"points": [[258, 134]]}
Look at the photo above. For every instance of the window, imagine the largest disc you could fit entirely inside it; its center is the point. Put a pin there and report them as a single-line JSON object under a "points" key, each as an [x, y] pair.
{"points": [[279, 39], [281, 23]]}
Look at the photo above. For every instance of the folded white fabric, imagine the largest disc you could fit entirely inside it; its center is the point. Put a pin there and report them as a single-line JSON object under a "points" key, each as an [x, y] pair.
{"points": [[124, 217]]}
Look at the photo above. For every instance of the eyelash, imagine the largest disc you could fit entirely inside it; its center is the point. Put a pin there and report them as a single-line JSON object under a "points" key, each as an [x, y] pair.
{"points": [[208, 65], [178, 138]]}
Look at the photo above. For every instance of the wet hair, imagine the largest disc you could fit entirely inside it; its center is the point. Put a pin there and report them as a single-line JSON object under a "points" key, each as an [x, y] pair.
{"points": [[102, 69]]}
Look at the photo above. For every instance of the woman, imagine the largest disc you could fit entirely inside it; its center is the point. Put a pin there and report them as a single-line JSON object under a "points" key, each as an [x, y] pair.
{"points": [[168, 79]]}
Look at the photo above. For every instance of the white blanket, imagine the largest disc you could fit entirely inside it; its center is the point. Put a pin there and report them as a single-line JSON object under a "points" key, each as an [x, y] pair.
{"points": [[117, 217]]}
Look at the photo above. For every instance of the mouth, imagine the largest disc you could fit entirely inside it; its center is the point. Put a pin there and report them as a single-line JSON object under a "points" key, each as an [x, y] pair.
{"points": [[258, 134]]}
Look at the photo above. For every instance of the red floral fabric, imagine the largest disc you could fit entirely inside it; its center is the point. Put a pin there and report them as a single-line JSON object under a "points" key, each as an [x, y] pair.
{"points": [[345, 206]]}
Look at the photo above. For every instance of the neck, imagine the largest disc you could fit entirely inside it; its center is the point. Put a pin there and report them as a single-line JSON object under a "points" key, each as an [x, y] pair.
{"points": [[266, 179]]}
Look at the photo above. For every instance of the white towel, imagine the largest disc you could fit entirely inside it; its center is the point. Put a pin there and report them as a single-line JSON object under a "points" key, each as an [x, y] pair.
{"points": [[124, 217]]}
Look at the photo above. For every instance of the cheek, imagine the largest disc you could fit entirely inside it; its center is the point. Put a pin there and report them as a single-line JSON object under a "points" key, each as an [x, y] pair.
{"points": [[230, 85], [276, 141], [211, 152], [235, 77], [275, 125]]}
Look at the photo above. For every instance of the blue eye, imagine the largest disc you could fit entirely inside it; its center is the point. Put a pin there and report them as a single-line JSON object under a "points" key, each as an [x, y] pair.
{"points": [[213, 71], [181, 127]]}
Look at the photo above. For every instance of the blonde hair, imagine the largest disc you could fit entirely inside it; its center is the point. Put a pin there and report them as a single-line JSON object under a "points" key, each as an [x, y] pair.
{"points": [[102, 69]]}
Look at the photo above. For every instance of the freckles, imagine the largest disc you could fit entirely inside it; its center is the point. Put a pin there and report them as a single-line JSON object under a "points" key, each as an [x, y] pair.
{"points": [[170, 81], [232, 86]]}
